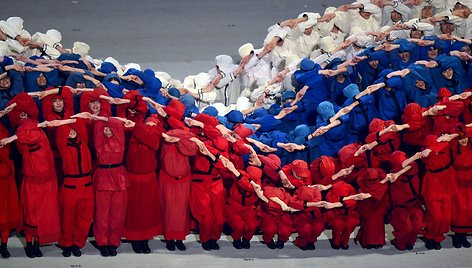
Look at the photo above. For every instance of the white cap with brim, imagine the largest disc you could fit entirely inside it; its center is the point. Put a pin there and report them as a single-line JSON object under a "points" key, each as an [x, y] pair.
{"points": [[55, 35], [242, 103], [327, 44], [245, 50], [16, 23], [81, 48]]}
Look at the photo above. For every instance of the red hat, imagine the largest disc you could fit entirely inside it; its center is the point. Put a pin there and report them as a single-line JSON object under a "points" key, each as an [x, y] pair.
{"points": [[136, 103], [185, 145], [207, 120], [376, 125], [444, 93], [397, 159], [432, 143], [300, 168], [413, 115], [94, 95], [371, 174], [272, 165], [24, 104], [347, 158], [341, 188], [254, 174], [66, 95], [175, 109], [242, 131]]}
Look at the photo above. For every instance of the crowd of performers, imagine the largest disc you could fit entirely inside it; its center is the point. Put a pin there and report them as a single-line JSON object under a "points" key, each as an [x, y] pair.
{"points": [[380, 136]]}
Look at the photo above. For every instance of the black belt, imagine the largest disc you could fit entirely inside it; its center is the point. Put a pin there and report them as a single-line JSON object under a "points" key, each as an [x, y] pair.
{"points": [[74, 176], [202, 180], [110, 165], [34, 149], [440, 169], [88, 184]]}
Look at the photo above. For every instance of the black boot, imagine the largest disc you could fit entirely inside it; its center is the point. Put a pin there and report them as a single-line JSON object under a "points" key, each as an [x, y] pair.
{"points": [[4, 251], [170, 245], [464, 241], [145, 247], [311, 246], [29, 250], [207, 245], [437, 245], [67, 251], [246, 244], [136, 246], [237, 244], [76, 251], [180, 245], [37, 252], [429, 244], [112, 250], [272, 245], [280, 244], [214, 245], [456, 240], [104, 251]]}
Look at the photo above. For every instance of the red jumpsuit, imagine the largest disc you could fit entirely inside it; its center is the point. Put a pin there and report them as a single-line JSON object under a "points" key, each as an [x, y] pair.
{"points": [[462, 201], [49, 114], [388, 143], [467, 112], [342, 220], [438, 188], [207, 195], [76, 195], [10, 216], [373, 210], [236, 151], [143, 218], [174, 184], [407, 214], [308, 222], [275, 221], [241, 205], [110, 183], [39, 195]]}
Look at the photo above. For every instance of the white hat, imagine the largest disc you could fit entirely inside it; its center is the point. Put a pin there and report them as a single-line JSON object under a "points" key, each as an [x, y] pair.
{"points": [[202, 80], [276, 30], [55, 35], [81, 48], [175, 83], [242, 103], [221, 108], [42, 38], [245, 50], [327, 44], [3, 49], [310, 22], [341, 20], [225, 63], [114, 62], [132, 66], [16, 23], [370, 8], [164, 77]]}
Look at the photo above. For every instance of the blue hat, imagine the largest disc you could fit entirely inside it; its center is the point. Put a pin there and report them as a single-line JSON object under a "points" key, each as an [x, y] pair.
{"points": [[251, 127], [377, 55], [149, 72], [222, 120], [458, 45], [306, 64], [258, 113], [211, 111], [174, 92], [187, 100], [351, 91], [288, 94], [235, 116], [107, 67], [325, 110]]}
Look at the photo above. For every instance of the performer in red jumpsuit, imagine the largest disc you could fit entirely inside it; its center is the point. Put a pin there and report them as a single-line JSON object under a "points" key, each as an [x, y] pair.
{"points": [[10, 216], [437, 190], [174, 185], [143, 218], [76, 195], [39, 194], [461, 223], [373, 209], [308, 220], [407, 214], [298, 173], [240, 207], [388, 142], [342, 217], [110, 184], [207, 195]]}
